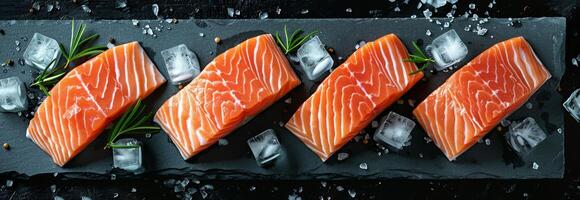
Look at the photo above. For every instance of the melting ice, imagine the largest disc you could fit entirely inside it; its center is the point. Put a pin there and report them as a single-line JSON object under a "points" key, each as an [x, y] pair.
{"points": [[314, 59], [12, 95], [265, 147], [447, 49], [524, 136], [572, 105], [41, 51], [395, 130], [181, 63], [127, 158]]}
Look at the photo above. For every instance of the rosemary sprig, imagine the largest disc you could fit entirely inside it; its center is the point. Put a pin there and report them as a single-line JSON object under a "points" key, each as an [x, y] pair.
{"points": [[77, 42], [293, 41], [133, 121], [50, 77], [418, 57]]}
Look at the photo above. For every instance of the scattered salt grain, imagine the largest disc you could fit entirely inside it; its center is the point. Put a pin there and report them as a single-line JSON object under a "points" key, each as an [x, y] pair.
{"points": [[487, 141], [427, 13], [339, 188], [428, 32], [352, 193], [342, 156], [481, 31], [9, 183], [471, 6], [535, 166], [231, 12], [349, 10], [363, 166], [135, 22], [374, 124], [36, 6], [86, 9], [304, 11], [263, 15], [223, 142], [155, 8]]}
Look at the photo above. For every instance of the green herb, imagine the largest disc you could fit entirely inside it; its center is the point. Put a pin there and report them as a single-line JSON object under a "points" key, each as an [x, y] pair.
{"points": [[132, 122], [48, 77], [77, 42], [293, 41], [418, 57]]}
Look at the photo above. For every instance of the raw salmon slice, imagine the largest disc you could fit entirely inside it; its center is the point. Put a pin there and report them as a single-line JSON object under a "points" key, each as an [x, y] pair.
{"points": [[348, 99], [234, 87], [89, 97], [482, 93]]}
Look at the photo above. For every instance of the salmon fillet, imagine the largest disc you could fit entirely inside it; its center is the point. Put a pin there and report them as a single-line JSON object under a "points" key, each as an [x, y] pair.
{"points": [[482, 93], [357, 91], [90, 97], [237, 85]]}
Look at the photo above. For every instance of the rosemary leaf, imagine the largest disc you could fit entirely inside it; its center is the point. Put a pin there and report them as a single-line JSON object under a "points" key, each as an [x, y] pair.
{"points": [[131, 122], [418, 57]]}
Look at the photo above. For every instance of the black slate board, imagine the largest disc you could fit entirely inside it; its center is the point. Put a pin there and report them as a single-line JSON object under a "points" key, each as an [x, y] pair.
{"points": [[234, 161]]}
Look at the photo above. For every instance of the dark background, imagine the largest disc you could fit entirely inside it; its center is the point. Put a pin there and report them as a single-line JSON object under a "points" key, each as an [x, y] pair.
{"points": [[161, 187]]}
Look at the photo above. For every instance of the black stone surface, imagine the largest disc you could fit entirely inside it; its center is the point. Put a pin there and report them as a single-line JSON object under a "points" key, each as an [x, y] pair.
{"points": [[152, 187], [421, 160]]}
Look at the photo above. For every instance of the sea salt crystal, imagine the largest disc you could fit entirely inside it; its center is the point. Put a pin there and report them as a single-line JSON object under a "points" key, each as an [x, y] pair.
{"points": [[342, 156], [230, 12], [223, 142], [352, 193], [263, 15], [86, 9], [471, 6], [363, 166], [535, 166], [9, 183], [428, 32], [155, 9]]}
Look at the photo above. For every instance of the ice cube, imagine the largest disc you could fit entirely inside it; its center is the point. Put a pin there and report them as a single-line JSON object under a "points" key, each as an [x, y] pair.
{"points": [[435, 3], [573, 104], [41, 51], [524, 136], [181, 63], [447, 49], [128, 157], [395, 130], [265, 147], [314, 59], [13, 96]]}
